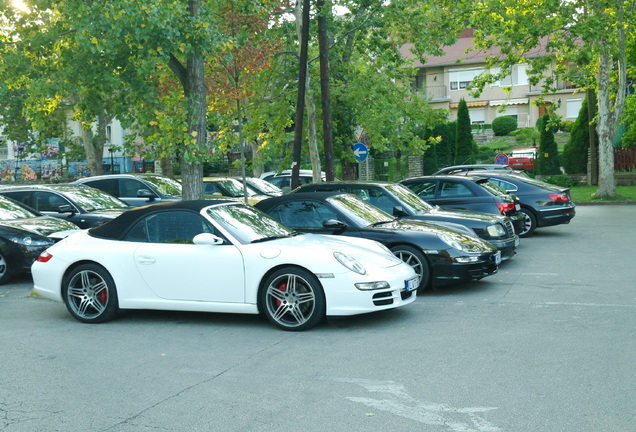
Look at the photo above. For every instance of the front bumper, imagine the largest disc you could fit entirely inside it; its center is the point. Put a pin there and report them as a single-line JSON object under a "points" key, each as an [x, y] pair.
{"points": [[446, 270], [507, 247]]}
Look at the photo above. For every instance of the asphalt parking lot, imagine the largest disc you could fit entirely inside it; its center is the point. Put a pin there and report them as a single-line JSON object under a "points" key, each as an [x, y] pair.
{"points": [[547, 344]]}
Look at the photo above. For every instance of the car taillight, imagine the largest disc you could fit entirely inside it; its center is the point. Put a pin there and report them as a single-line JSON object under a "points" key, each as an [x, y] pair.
{"points": [[560, 197], [44, 257], [506, 208]]}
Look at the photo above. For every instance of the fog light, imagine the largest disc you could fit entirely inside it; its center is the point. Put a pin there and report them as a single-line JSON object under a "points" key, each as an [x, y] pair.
{"points": [[368, 286], [466, 259]]}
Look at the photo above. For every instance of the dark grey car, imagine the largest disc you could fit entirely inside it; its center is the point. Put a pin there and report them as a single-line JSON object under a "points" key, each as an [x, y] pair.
{"points": [[136, 189]]}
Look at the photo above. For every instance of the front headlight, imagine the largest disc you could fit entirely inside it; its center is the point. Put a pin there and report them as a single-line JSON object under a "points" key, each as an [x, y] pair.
{"points": [[496, 230], [29, 241], [452, 242], [350, 263]]}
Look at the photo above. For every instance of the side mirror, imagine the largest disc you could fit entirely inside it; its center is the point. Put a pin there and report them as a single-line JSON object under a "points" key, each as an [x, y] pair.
{"points": [[398, 211], [207, 239], [334, 224], [66, 208], [145, 193]]}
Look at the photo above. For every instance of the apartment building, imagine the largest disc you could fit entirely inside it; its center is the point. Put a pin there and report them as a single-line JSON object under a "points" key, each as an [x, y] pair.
{"points": [[446, 79]]}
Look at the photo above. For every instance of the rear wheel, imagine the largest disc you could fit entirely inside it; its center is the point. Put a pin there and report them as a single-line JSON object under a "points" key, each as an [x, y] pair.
{"points": [[293, 299], [5, 270], [529, 223], [89, 294], [417, 260]]}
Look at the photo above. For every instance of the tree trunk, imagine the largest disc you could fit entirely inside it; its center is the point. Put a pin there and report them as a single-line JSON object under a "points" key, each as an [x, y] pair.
{"points": [[606, 184], [94, 163], [324, 89], [302, 86], [193, 81]]}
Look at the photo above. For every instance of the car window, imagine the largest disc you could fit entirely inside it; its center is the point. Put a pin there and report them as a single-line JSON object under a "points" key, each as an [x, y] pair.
{"points": [[47, 201], [507, 186], [381, 200], [128, 188], [107, 185], [453, 189], [302, 214], [280, 182], [24, 197], [169, 227], [425, 189]]}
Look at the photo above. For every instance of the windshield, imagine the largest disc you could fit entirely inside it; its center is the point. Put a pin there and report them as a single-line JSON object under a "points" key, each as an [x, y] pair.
{"points": [[263, 185], [235, 188], [91, 199], [361, 212], [10, 210], [246, 223], [407, 197], [164, 185]]}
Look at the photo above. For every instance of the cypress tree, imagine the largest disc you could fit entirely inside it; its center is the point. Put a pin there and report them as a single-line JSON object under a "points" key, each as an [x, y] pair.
{"points": [[464, 137], [575, 151], [548, 160]]}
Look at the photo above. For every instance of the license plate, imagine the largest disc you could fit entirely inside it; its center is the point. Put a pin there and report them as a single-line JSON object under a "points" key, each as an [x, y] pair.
{"points": [[497, 258], [411, 284], [517, 207], [517, 241]]}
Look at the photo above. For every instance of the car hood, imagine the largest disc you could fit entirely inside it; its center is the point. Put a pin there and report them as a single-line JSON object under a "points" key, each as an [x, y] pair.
{"points": [[458, 217], [471, 243], [43, 225], [363, 250], [109, 213]]}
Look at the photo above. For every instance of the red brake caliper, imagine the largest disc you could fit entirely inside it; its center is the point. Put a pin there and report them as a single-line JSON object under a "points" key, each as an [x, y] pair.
{"points": [[103, 296], [282, 287]]}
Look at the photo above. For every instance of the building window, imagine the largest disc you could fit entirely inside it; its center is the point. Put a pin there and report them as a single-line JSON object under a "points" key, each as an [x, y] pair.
{"points": [[477, 115], [518, 76], [460, 79], [573, 106]]}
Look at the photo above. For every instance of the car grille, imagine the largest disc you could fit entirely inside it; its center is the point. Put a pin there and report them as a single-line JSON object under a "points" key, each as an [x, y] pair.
{"points": [[510, 230]]}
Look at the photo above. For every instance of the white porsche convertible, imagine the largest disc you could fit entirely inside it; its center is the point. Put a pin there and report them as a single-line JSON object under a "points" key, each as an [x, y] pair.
{"points": [[219, 256]]}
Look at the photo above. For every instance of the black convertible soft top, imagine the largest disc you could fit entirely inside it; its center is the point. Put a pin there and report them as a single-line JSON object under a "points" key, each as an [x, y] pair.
{"points": [[116, 228]]}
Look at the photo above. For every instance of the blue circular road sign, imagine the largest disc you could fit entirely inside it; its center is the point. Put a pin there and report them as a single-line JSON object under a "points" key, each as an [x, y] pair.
{"points": [[360, 151]]}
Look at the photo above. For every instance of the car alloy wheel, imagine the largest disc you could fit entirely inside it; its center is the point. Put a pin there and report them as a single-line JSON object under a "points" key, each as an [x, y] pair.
{"points": [[5, 273], [529, 223], [417, 260], [293, 299], [89, 293]]}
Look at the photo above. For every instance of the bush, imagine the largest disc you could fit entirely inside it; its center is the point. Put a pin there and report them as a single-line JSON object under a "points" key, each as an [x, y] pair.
{"points": [[504, 125], [561, 180]]}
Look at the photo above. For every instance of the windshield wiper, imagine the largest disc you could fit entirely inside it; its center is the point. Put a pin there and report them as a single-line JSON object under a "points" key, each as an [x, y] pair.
{"points": [[264, 239], [376, 224]]}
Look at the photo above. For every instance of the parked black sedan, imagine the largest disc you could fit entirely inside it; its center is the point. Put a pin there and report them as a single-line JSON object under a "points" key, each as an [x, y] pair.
{"points": [[24, 235], [467, 193], [399, 201], [439, 255], [542, 204], [85, 206]]}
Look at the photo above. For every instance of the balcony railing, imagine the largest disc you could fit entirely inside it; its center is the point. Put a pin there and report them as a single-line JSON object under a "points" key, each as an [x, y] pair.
{"points": [[434, 92]]}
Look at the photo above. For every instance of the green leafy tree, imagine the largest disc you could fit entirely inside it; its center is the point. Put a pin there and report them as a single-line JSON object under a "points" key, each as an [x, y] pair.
{"points": [[592, 34], [548, 158], [575, 151], [464, 138]]}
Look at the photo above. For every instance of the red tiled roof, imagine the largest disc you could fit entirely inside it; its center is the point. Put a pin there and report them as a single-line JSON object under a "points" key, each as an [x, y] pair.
{"points": [[462, 52]]}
